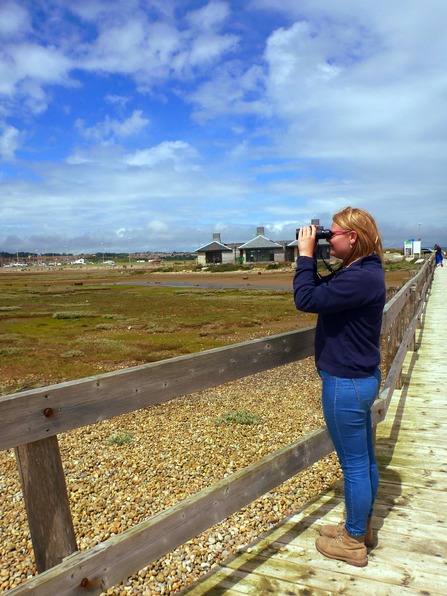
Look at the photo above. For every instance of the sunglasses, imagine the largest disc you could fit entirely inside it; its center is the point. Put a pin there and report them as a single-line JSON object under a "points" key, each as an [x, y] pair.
{"points": [[334, 232]]}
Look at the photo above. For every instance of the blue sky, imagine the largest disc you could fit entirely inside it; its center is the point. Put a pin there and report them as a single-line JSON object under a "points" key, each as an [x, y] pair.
{"points": [[150, 124]]}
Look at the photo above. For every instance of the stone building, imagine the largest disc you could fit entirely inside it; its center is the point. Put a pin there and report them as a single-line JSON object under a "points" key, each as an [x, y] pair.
{"points": [[215, 253], [261, 250]]}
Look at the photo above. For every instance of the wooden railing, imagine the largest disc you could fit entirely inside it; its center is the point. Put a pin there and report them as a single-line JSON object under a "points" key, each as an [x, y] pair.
{"points": [[30, 422]]}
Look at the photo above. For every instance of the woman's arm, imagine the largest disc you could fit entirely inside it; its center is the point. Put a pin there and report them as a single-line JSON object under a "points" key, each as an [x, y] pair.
{"points": [[348, 289]]}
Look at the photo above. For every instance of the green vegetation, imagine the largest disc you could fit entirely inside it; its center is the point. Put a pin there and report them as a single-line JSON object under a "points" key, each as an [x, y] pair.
{"points": [[120, 439], [72, 315], [59, 331], [223, 268], [239, 417], [399, 265], [165, 270], [8, 351]]}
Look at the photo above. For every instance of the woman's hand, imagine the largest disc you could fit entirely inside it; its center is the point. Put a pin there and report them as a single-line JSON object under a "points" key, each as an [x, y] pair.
{"points": [[307, 241]]}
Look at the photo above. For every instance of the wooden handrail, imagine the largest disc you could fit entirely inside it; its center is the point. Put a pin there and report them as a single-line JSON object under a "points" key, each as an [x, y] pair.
{"points": [[43, 412]]}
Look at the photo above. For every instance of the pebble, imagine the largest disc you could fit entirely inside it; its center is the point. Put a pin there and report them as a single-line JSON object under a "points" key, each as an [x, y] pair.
{"points": [[177, 449]]}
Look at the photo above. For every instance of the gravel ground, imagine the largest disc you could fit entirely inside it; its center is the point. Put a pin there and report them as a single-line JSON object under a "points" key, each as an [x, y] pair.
{"points": [[175, 450]]}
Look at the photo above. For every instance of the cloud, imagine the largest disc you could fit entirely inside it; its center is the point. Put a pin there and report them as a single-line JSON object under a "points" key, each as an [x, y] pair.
{"points": [[26, 69], [232, 89], [14, 20], [174, 151], [128, 41], [9, 142], [210, 16], [110, 129], [118, 100]]}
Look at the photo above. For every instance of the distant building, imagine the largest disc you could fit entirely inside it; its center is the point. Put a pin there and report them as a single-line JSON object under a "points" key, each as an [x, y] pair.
{"points": [[260, 250], [215, 253]]}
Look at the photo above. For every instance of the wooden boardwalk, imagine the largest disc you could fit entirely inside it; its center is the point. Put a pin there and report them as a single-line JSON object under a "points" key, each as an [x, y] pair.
{"points": [[410, 515]]}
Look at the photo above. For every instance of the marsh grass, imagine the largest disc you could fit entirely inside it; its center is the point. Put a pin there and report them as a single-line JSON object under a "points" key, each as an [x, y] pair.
{"points": [[73, 354], [70, 314], [9, 350], [92, 328]]}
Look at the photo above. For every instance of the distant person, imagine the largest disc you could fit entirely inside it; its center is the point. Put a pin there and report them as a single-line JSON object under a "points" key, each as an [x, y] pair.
{"points": [[439, 256], [349, 303]]}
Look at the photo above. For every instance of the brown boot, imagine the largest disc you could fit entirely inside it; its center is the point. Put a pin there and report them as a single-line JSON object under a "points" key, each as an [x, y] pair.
{"points": [[334, 531], [344, 547]]}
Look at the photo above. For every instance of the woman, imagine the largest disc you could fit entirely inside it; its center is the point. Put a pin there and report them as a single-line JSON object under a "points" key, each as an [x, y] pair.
{"points": [[439, 255], [349, 303]]}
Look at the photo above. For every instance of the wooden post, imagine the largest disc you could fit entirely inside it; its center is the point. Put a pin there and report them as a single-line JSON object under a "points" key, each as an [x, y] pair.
{"points": [[400, 332], [413, 308], [46, 501]]}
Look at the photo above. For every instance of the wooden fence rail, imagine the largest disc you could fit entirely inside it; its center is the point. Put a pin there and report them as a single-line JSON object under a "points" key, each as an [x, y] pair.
{"points": [[30, 422]]}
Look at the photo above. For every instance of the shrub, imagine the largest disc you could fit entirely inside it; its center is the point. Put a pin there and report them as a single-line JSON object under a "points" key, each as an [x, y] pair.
{"points": [[120, 439], [7, 308], [73, 315], [239, 417], [223, 268], [73, 354], [273, 266], [9, 351], [162, 270]]}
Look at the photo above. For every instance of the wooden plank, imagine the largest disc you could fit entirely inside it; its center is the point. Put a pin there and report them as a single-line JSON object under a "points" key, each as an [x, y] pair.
{"points": [[393, 571], [430, 478], [400, 549], [316, 573], [43, 412], [392, 495], [226, 581], [110, 562], [387, 513], [438, 453], [395, 516], [46, 502], [304, 533], [433, 463], [409, 438]]}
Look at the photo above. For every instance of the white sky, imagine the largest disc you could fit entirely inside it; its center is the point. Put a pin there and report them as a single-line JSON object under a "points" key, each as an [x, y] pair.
{"points": [[150, 124]]}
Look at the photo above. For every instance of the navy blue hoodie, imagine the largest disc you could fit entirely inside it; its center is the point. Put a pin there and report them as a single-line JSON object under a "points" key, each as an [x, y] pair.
{"points": [[349, 304]]}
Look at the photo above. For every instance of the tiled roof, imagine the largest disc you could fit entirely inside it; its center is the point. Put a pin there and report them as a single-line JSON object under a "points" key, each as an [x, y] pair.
{"points": [[212, 246], [260, 242]]}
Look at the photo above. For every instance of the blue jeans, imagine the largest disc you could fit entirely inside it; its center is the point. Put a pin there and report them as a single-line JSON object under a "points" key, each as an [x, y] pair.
{"points": [[347, 412]]}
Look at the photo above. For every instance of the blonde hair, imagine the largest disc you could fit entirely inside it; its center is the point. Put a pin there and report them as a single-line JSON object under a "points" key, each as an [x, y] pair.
{"points": [[368, 237]]}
